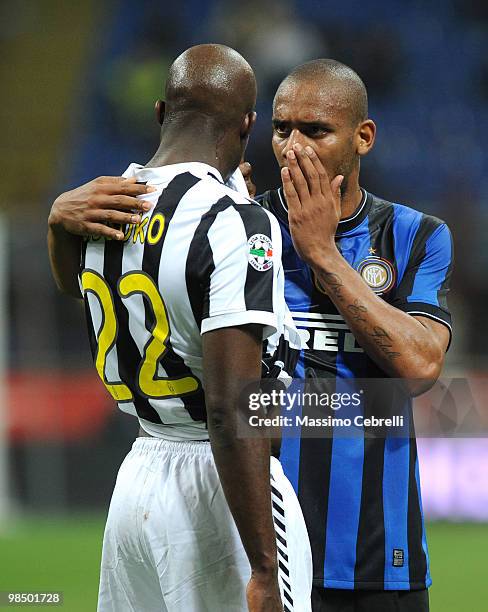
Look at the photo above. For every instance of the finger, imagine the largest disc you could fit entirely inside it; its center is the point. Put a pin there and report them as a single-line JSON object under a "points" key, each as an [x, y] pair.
{"points": [[335, 185], [251, 188], [308, 169], [291, 195], [114, 179], [297, 177], [246, 169], [136, 188], [115, 216], [98, 229], [119, 185], [129, 189], [121, 202], [320, 169]]}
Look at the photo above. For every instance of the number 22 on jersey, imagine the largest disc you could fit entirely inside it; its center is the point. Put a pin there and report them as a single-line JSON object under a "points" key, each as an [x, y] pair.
{"points": [[148, 383]]}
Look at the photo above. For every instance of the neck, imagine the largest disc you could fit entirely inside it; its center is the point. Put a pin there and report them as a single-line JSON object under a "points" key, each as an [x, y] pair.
{"points": [[350, 202], [178, 146], [351, 197]]}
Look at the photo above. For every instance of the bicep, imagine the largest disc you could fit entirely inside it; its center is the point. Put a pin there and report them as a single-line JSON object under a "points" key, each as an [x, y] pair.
{"points": [[231, 356], [422, 291]]}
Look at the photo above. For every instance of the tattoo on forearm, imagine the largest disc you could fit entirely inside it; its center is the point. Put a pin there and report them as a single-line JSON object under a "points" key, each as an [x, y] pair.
{"points": [[379, 335], [332, 283], [357, 310], [333, 286], [384, 342]]}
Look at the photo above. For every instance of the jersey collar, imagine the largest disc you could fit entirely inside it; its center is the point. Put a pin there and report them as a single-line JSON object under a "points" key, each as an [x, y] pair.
{"points": [[345, 225], [163, 173], [349, 223]]}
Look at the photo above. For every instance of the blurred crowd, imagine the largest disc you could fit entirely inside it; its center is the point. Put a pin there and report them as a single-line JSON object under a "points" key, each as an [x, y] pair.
{"points": [[426, 70]]}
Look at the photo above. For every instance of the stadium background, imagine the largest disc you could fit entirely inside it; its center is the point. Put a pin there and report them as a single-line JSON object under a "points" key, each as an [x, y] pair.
{"points": [[78, 81]]}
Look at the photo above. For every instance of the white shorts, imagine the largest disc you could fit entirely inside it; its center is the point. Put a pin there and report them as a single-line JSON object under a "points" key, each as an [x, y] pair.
{"points": [[171, 544]]}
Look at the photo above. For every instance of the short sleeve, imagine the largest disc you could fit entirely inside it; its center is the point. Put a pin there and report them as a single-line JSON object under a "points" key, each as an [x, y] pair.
{"points": [[281, 351], [244, 283], [425, 284]]}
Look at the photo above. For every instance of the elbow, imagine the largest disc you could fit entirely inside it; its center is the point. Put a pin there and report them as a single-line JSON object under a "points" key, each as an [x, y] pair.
{"points": [[419, 386], [422, 376], [69, 290], [221, 427]]}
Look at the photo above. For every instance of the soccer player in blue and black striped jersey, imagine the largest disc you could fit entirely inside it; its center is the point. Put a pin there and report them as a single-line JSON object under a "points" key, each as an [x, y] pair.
{"points": [[366, 281]]}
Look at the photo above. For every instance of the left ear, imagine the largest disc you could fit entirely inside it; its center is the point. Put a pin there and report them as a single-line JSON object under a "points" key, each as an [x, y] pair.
{"points": [[247, 125], [159, 109], [365, 136]]}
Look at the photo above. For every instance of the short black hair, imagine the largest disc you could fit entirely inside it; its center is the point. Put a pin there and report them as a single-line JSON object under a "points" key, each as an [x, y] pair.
{"points": [[331, 70], [213, 80]]}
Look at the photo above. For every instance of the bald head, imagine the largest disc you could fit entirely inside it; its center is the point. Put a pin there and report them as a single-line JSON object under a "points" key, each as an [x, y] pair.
{"points": [[210, 80], [332, 77]]}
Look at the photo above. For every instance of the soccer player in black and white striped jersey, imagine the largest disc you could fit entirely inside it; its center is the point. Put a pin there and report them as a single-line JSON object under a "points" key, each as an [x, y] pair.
{"points": [[177, 313]]}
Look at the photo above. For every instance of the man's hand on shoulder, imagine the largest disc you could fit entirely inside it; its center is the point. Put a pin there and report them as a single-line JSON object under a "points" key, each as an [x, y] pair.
{"points": [[89, 209]]}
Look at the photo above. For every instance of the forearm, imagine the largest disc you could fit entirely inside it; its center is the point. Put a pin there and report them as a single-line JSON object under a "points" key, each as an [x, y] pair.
{"points": [[396, 341], [244, 470], [230, 357], [64, 255]]}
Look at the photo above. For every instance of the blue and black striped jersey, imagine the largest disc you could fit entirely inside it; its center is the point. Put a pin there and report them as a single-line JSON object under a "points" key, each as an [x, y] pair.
{"points": [[361, 496]]}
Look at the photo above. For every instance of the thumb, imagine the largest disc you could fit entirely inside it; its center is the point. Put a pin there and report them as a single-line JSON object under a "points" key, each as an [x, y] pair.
{"points": [[335, 185]]}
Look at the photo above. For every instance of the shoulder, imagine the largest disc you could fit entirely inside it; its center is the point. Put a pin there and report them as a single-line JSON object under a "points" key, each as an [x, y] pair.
{"points": [[406, 218], [213, 190], [270, 200], [229, 209], [247, 208]]}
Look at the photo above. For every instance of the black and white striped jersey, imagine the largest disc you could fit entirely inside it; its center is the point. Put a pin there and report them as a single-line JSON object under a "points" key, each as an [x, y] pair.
{"points": [[204, 257]]}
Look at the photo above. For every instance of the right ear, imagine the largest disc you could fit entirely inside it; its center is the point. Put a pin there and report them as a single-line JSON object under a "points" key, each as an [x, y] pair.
{"points": [[247, 125], [160, 108]]}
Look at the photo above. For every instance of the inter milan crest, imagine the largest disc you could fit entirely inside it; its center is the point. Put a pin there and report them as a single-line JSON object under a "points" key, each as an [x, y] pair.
{"points": [[260, 254], [378, 273]]}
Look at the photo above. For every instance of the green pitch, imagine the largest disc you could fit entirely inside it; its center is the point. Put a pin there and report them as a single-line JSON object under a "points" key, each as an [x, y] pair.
{"points": [[458, 566], [63, 555]]}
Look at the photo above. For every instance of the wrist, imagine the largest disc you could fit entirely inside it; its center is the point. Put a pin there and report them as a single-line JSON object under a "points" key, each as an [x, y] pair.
{"points": [[327, 260], [57, 226], [61, 236], [265, 573], [54, 220], [264, 564]]}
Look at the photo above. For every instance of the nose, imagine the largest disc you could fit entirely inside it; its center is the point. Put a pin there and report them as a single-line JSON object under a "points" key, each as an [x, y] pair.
{"points": [[295, 137]]}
